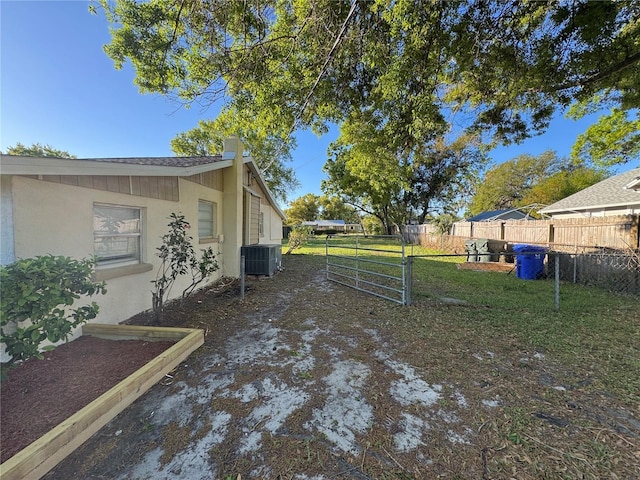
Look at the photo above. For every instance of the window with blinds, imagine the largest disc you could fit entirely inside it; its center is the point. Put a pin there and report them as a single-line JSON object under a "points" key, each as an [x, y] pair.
{"points": [[117, 235], [207, 227]]}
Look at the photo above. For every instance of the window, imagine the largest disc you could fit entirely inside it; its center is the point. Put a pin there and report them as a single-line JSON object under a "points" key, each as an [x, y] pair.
{"points": [[117, 235], [261, 224], [207, 219]]}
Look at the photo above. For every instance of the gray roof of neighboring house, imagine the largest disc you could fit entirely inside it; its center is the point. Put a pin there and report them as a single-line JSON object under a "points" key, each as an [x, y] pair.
{"points": [[513, 214], [325, 223], [610, 192]]}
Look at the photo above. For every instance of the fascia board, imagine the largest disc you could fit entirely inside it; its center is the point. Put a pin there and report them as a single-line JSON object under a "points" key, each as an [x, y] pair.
{"points": [[263, 185], [37, 166], [590, 207]]}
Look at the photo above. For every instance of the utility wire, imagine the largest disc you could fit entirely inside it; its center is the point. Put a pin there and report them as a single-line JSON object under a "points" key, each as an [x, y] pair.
{"points": [[315, 84]]}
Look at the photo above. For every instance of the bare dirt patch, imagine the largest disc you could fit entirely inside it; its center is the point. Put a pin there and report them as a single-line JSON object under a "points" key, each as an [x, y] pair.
{"points": [[40, 393], [307, 379]]}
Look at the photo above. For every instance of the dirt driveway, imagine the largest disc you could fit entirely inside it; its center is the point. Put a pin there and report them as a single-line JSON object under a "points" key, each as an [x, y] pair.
{"points": [[307, 379]]}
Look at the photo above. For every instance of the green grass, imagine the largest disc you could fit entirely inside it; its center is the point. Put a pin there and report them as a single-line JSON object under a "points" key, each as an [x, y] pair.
{"points": [[594, 332]]}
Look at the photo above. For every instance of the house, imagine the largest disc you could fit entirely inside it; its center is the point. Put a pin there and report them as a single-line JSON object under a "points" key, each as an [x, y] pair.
{"points": [[617, 195], [320, 226], [118, 209], [490, 216]]}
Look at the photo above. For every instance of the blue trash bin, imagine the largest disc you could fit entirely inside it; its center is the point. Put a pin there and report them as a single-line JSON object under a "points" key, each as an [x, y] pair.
{"points": [[530, 262]]}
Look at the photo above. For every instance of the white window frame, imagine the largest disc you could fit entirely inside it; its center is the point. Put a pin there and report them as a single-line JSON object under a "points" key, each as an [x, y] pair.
{"points": [[261, 224], [136, 235], [213, 233]]}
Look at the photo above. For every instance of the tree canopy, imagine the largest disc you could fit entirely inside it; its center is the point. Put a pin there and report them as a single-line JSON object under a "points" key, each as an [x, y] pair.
{"points": [[37, 150], [395, 183], [310, 207], [613, 140], [418, 74], [303, 209], [529, 179], [507, 65], [270, 151]]}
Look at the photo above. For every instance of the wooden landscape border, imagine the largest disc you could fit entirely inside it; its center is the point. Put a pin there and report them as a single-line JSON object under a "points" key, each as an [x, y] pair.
{"points": [[42, 455]]}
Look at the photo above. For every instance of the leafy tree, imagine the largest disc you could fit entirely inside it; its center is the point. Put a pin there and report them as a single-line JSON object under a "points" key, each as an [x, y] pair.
{"points": [[298, 237], [528, 179], [444, 222], [383, 175], [270, 150], [507, 184], [37, 150], [303, 209], [613, 140], [506, 65], [333, 208], [562, 184], [392, 73], [372, 225]]}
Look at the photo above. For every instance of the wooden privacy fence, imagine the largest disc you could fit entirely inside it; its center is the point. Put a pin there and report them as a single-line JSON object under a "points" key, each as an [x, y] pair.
{"points": [[617, 232]]}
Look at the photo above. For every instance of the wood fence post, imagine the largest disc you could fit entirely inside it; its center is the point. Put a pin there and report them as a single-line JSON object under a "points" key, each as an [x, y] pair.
{"points": [[634, 234]]}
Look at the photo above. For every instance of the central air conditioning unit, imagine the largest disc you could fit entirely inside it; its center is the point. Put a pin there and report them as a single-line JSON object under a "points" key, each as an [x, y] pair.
{"points": [[261, 259]]}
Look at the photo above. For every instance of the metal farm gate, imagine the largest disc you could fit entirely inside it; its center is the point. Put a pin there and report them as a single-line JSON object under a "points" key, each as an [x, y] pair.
{"points": [[375, 264]]}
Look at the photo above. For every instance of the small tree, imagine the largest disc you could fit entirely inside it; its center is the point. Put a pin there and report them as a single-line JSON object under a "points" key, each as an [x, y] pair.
{"points": [[35, 299], [443, 223], [179, 258], [298, 237]]}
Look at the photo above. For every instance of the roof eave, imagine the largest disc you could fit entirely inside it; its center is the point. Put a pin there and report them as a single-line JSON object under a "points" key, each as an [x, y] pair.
{"points": [[250, 162], [589, 207], [15, 165]]}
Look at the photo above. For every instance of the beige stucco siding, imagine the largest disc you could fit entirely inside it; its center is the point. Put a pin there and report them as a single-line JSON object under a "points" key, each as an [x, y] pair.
{"points": [[57, 219]]}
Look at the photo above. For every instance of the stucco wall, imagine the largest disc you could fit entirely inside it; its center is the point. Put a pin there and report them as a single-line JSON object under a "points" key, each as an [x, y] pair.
{"points": [[57, 219]]}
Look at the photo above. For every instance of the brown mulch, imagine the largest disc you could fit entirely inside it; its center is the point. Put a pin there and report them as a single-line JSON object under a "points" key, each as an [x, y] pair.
{"points": [[39, 394]]}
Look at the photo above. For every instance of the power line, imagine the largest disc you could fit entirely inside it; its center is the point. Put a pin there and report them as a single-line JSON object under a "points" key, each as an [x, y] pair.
{"points": [[323, 70]]}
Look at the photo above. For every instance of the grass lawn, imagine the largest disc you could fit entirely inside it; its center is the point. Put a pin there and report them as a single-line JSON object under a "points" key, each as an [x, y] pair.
{"points": [[547, 364], [595, 331]]}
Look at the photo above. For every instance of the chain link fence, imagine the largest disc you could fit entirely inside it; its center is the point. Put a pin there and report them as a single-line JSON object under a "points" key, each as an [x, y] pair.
{"points": [[608, 269], [612, 271]]}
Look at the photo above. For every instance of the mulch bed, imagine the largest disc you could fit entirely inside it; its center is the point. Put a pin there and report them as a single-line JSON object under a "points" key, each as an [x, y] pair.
{"points": [[39, 394]]}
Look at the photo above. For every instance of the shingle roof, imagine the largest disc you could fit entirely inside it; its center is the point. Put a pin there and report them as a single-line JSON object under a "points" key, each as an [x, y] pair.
{"points": [[607, 193], [512, 214], [162, 161], [325, 223]]}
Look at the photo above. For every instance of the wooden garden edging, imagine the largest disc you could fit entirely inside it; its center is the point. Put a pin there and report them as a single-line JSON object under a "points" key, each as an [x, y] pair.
{"points": [[42, 455]]}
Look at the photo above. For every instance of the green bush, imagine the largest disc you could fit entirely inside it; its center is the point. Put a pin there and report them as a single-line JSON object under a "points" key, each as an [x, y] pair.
{"points": [[35, 299], [298, 237]]}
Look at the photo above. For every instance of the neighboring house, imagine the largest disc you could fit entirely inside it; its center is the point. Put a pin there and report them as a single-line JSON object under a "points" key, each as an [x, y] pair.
{"points": [[118, 209], [320, 226], [512, 214], [617, 195]]}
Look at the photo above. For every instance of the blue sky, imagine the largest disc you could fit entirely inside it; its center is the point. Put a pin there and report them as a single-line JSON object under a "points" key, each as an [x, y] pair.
{"points": [[58, 87]]}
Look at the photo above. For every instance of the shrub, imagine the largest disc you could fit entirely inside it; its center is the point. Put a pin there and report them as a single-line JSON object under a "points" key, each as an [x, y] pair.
{"points": [[298, 237], [35, 299], [179, 258]]}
